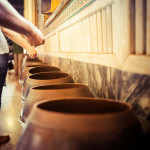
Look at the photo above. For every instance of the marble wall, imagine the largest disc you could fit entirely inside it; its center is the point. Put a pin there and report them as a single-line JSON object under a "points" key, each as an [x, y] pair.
{"points": [[110, 83]]}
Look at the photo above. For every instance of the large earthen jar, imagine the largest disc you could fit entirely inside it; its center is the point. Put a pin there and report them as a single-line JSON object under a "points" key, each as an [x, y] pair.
{"points": [[26, 60], [38, 69], [81, 124], [26, 69], [44, 78], [51, 92]]}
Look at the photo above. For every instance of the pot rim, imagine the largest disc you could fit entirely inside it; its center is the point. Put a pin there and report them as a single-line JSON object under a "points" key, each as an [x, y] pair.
{"points": [[82, 98], [36, 64], [43, 66], [56, 119], [65, 78], [74, 86]]}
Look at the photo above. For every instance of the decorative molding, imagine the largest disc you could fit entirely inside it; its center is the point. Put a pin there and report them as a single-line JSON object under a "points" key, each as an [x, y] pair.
{"points": [[74, 7]]}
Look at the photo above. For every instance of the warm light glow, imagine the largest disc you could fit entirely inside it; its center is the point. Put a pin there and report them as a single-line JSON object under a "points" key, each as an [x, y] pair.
{"points": [[54, 4], [10, 122]]}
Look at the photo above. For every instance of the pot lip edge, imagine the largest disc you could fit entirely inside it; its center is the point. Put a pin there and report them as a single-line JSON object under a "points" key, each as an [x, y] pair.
{"points": [[64, 83], [54, 116], [36, 108]]}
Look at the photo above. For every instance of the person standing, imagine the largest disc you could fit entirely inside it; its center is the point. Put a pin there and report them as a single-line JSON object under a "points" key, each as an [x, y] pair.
{"points": [[4, 56], [14, 26], [18, 54]]}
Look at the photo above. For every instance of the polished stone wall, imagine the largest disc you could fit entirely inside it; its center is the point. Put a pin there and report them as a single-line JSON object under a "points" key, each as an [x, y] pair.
{"points": [[110, 83]]}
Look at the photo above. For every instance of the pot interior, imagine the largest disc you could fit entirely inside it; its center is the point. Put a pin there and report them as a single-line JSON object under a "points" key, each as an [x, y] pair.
{"points": [[83, 106], [43, 69], [59, 86], [33, 60], [46, 76]]}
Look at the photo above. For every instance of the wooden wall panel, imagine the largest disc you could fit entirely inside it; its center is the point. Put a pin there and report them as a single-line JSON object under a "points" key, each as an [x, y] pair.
{"points": [[109, 29], [63, 40], [99, 30], [47, 45], [88, 44], [51, 43], [115, 28], [140, 27], [104, 30], [148, 28], [93, 32]]}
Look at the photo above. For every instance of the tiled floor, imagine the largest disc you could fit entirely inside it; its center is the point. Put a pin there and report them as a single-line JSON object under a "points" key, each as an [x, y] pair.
{"points": [[10, 111]]}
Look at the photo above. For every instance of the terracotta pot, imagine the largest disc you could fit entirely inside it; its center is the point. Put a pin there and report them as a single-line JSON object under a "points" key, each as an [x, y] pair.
{"points": [[44, 78], [42, 69], [26, 69], [51, 92], [38, 69], [26, 60], [81, 124]]}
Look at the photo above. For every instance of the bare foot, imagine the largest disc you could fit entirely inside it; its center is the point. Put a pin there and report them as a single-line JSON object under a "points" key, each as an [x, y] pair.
{"points": [[4, 139]]}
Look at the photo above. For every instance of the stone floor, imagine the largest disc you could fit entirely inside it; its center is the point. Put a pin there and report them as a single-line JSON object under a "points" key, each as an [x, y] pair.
{"points": [[10, 111]]}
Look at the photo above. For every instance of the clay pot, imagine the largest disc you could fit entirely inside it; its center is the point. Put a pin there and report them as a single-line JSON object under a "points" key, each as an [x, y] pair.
{"points": [[39, 69], [81, 124], [42, 69], [26, 69], [44, 78], [26, 59], [51, 92]]}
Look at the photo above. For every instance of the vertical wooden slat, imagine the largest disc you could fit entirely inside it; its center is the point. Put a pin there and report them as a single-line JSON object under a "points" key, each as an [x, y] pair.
{"points": [[88, 34], [60, 45], [99, 30], [123, 30], [58, 42], [78, 37], [104, 30], [109, 29], [114, 29], [91, 33], [52, 43], [81, 37], [95, 36], [64, 41], [132, 26], [148, 28], [71, 41], [69, 49], [84, 35], [140, 34], [47, 42], [73, 38]]}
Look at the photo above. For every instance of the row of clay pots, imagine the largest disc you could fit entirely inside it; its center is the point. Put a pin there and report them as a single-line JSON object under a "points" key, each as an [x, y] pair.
{"points": [[44, 78], [66, 116], [36, 77], [52, 92], [26, 68]]}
